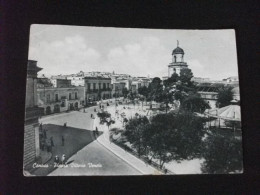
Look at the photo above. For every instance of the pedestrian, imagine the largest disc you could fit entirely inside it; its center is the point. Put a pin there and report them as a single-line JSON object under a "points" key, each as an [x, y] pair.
{"points": [[62, 140], [65, 124], [57, 160], [96, 130], [52, 143], [91, 115], [63, 159]]}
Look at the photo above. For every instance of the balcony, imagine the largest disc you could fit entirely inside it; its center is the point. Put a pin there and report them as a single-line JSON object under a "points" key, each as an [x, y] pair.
{"points": [[98, 90], [178, 64]]}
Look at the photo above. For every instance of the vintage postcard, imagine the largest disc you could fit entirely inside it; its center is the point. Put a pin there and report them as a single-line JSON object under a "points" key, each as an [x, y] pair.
{"points": [[123, 101]]}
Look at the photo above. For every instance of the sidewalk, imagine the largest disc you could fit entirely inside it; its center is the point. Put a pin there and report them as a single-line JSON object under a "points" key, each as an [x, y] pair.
{"points": [[121, 153]]}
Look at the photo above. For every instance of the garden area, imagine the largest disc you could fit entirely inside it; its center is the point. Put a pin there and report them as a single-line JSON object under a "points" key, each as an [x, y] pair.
{"points": [[182, 133]]}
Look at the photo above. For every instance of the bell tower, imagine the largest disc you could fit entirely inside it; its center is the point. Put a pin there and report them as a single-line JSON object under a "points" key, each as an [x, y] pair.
{"points": [[177, 61]]}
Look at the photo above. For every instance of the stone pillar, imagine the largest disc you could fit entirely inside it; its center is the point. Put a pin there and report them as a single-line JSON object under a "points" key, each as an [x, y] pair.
{"points": [[37, 141]]}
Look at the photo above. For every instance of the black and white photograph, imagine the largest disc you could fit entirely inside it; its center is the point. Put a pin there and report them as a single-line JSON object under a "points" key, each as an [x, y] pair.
{"points": [[106, 101]]}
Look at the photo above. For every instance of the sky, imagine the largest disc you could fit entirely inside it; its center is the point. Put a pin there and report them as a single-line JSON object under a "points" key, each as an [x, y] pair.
{"points": [[61, 49]]}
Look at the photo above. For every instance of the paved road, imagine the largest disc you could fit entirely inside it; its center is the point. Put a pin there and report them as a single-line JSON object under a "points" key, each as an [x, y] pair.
{"points": [[93, 159]]}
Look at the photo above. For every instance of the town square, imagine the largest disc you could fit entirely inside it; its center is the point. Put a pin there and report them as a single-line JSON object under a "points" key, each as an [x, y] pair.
{"points": [[108, 101]]}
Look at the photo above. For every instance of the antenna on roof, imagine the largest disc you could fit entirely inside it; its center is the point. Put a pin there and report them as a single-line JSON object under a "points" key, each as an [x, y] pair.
{"points": [[177, 43]]}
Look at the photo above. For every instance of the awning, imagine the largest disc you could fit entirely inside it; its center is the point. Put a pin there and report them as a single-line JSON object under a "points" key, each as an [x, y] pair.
{"points": [[231, 112]]}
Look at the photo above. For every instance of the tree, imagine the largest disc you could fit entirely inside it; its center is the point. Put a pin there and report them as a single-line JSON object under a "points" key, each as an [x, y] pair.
{"points": [[195, 103], [155, 89], [181, 86], [172, 80], [225, 95], [165, 96], [175, 137], [103, 116], [223, 154], [143, 91], [185, 76], [134, 133], [109, 122]]}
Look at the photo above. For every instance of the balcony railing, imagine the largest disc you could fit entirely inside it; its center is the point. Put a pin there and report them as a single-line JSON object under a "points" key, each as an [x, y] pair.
{"points": [[98, 90]]}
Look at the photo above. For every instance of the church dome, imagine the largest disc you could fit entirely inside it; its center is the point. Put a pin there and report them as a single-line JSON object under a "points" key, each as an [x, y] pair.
{"points": [[177, 50]]}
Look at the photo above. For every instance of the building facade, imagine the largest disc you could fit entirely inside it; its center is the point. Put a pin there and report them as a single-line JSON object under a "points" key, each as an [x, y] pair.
{"points": [[236, 93], [32, 114], [97, 88], [177, 61], [200, 80], [61, 83], [209, 92], [77, 80], [117, 89], [55, 100]]}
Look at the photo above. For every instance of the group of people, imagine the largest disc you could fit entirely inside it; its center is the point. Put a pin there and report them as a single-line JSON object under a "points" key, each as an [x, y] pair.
{"points": [[45, 143], [57, 160]]}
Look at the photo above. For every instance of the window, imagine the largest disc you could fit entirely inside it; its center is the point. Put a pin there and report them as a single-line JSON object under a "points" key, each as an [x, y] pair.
{"points": [[48, 98], [104, 85], [69, 96], [99, 85], [94, 86], [76, 95], [56, 97], [88, 86], [108, 85]]}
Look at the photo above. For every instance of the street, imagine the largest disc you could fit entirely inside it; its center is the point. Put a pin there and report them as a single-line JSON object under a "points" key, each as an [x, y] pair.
{"points": [[92, 159]]}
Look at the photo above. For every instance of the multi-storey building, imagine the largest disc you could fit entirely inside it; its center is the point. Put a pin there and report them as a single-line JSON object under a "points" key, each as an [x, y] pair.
{"points": [[139, 82], [97, 88], [32, 113], [60, 99], [61, 83], [77, 80], [43, 81], [117, 89]]}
